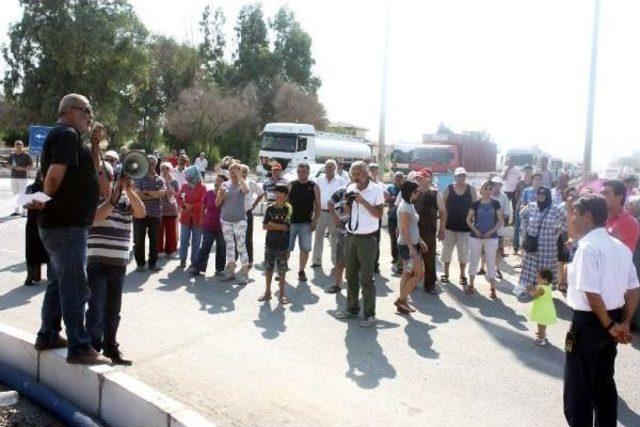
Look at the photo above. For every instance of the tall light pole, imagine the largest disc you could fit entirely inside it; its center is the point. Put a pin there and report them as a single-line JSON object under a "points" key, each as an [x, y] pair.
{"points": [[588, 143], [383, 97]]}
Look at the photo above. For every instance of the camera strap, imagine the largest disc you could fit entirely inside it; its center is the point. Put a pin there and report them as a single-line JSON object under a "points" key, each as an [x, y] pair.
{"points": [[357, 218]]}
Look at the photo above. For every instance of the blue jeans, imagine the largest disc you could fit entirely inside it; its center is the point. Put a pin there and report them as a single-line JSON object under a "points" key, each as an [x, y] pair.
{"points": [[103, 314], [516, 230], [67, 290], [208, 238], [190, 236], [301, 231]]}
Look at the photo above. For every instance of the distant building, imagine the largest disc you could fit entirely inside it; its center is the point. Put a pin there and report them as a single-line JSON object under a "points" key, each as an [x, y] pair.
{"points": [[348, 129]]}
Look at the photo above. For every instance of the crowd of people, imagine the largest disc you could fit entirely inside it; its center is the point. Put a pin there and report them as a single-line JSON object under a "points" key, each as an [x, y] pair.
{"points": [[575, 240]]}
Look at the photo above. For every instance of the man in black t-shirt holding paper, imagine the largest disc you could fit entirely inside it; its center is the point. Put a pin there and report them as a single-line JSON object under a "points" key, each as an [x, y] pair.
{"points": [[71, 181]]}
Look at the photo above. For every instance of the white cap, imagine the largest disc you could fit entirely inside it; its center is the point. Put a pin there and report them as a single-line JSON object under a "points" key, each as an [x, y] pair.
{"points": [[460, 171], [112, 154], [497, 180]]}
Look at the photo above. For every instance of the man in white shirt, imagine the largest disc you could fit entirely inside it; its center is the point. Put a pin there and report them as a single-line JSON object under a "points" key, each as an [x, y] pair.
{"points": [[510, 176], [328, 184], [201, 164], [374, 173], [603, 292], [251, 200], [367, 201]]}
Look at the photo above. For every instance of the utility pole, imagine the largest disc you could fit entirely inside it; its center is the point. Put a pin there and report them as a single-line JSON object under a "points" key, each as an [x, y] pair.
{"points": [[383, 97], [588, 143]]}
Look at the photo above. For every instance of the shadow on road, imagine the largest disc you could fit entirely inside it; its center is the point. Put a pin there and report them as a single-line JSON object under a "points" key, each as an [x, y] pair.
{"points": [[626, 416], [432, 305], [548, 360], [419, 338], [214, 295], [15, 268], [9, 218], [367, 363], [300, 296], [563, 311], [271, 319], [20, 295], [488, 308]]}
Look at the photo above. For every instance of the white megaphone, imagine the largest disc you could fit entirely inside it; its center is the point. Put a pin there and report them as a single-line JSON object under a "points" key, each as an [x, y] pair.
{"points": [[135, 165]]}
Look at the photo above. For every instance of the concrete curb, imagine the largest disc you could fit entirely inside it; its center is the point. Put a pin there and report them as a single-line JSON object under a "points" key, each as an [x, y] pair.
{"points": [[102, 391]]}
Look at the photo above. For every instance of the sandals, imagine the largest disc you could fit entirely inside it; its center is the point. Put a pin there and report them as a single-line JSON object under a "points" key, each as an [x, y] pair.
{"points": [[493, 295], [402, 306], [283, 300], [499, 274], [470, 290], [265, 297], [463, 281], [444, 278]]}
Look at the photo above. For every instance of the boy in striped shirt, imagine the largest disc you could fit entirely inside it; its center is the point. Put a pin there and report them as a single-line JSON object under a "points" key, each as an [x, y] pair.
{"points": [[107, 259]]}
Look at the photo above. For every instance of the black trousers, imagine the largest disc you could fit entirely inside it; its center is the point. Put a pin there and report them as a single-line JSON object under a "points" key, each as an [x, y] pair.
{"points": [[429, 258], [511, 195], [589, 387], [393, 227], [141, 228], [377, 266], [249, 236]]}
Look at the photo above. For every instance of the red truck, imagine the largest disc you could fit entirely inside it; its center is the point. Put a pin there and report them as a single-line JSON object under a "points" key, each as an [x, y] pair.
{"points": [[475, 151]]}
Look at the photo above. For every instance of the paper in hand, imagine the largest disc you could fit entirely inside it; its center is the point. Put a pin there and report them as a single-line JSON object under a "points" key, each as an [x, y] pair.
{"points": [[25, 199]]}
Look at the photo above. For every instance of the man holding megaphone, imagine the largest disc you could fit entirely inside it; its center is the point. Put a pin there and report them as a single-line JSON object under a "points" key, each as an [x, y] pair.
{"points": [[70, 179]]}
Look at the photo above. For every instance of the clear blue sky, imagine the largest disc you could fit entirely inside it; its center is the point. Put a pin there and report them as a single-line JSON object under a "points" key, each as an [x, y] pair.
{"points": [[515, 68]]}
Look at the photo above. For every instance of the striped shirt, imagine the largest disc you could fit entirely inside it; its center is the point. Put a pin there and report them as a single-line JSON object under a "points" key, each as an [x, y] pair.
{"points": [[155, 183], [109, 239]]}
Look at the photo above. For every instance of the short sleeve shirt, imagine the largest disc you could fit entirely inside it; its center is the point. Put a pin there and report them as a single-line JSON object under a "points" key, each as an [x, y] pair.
{"points": [[277, 241], [155, 183], [624, 227], [362, 222], [414, 232], [76, 201], [22, 160], [269, 186], [255, 191], [486, 216], [233, 203], [512, 176]]}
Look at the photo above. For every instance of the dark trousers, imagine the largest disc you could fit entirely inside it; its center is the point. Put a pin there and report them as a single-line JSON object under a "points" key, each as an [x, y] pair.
{"points": [[103, 314], [359, 266], [208, 239], [429, 258], [377, 266], [147, 226], [512, 197], [249, 236], [589, 387], [67, 291], [393, 227]]}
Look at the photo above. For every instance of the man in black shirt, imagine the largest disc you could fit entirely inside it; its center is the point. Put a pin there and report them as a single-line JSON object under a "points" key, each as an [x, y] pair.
{"points": [[304, 198], [19, 162], [71, 181]]}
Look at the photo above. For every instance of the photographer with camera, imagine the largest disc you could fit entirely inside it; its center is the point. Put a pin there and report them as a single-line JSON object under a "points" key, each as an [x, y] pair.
{"points": [[365, 201]]}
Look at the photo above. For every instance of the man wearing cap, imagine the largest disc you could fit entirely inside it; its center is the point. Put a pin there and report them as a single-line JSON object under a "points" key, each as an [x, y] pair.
{"points": [[366, 201], [429, 205], [270, 183], [458, 198], [510, 176]]}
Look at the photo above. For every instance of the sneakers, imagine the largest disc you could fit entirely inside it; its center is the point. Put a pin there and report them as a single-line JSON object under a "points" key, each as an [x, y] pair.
{"points": [[43, 344], [542, 342], [219, 273], [368, 321], [344, 314]]}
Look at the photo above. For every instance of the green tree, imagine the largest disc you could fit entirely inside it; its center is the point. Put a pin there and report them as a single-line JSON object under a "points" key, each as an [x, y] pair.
{"points": [[292, 51], [211, 49], [253, 61], [93, 47]]}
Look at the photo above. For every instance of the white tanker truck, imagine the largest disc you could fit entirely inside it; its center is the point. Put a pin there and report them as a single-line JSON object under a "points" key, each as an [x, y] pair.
{"points": [[293, 143]]}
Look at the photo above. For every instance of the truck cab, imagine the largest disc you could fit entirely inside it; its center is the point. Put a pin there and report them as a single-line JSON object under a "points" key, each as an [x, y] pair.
{"points": [[287, 143]]}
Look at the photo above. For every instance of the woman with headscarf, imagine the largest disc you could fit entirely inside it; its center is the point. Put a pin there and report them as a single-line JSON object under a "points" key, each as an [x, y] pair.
{"points": [[542, 223], [191, 203], [167, 235]]}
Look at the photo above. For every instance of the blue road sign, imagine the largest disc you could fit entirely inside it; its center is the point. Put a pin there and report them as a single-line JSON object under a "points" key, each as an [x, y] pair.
{"points": [[37, 135]]}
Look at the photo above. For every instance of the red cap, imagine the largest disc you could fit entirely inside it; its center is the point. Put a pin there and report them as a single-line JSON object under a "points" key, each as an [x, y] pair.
{"points": [[424, 173]]}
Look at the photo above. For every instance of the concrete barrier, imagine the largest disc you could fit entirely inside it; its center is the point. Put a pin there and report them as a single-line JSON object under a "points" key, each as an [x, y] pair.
{"points": [[103, 391]]}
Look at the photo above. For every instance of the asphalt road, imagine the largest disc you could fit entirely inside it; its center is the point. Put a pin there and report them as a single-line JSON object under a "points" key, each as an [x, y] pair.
{"points": [[459, 360]]}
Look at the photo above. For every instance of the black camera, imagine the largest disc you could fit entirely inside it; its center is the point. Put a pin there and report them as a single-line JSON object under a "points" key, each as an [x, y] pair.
{"points": [[350, 197]]}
